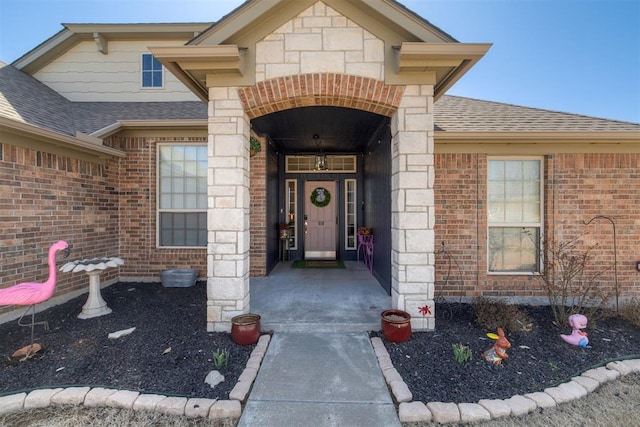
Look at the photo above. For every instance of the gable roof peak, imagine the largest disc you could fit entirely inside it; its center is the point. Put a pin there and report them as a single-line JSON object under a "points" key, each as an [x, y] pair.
{"points": [[72, 34], [264, 16]]}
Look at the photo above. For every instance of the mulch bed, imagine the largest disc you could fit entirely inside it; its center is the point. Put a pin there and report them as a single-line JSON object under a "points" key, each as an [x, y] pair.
{"points": [[78, 352], [169, 353], [537, 359]]}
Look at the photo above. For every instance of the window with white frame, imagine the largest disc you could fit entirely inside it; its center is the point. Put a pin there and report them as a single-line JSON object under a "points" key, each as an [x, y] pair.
{"points": [[292, 211], [151, 72], [182, 195], [514, 210], [350, 213]]}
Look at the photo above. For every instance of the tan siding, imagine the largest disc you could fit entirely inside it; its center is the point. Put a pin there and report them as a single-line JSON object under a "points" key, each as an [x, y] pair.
{"points": [[85, 75]]}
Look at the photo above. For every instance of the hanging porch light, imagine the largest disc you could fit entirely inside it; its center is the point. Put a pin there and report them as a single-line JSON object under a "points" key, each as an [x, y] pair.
{"points": [[320, 162]]}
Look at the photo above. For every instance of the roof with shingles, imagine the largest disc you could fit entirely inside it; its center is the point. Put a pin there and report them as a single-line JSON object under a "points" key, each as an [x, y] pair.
{"points": [[458, 114], [27, 100], [93, 116]]}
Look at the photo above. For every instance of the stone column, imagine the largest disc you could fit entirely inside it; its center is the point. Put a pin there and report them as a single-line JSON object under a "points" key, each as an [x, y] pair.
{"points": [[413, 206], [228, 209]]}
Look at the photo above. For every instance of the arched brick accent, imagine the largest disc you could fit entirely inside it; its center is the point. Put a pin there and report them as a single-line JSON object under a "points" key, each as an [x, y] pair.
{"points": [[328, 89]]}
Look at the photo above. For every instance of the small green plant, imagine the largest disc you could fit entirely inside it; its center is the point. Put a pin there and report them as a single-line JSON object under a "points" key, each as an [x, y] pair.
{"points": [[461, 353], [553, 366], [254, 145], [220, 358]]}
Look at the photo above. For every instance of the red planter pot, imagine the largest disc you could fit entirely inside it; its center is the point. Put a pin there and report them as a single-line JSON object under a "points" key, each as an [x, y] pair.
{"points": [[396, 325], [245, 329]]}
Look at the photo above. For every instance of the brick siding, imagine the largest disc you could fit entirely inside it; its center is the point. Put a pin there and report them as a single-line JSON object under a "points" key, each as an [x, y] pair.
{"points": [[327, 89], [108, 208], [100, 208], [49, 197], [258, 214], [138, 201], [578, 187]]}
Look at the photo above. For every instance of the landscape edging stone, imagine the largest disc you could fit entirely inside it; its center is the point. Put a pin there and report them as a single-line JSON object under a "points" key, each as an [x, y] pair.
{"points": [[575, 388]]}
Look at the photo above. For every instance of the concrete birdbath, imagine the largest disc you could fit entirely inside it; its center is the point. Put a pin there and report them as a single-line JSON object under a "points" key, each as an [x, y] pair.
{"points": [[95, 305]]}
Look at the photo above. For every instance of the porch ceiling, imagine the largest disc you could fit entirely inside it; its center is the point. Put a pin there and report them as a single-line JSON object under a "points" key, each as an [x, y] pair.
{"points": [[342, 130]]}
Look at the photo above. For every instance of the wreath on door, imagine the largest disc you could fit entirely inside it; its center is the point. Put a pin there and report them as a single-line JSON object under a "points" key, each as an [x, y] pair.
{"points": [[320, 197]]}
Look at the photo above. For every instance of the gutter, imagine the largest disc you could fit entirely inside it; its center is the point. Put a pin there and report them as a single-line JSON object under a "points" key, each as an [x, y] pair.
{"points": [[82, 143], [145, 124], [515, 137]]}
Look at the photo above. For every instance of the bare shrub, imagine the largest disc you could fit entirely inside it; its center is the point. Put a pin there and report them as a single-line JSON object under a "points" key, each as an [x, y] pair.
{"points": [[630, 311], [570, 278], [492, 314]]}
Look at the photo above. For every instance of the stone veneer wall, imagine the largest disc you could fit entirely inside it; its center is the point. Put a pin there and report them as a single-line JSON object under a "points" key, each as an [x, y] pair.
{"points": [[228, 204], [412, 206], [320, 40]]}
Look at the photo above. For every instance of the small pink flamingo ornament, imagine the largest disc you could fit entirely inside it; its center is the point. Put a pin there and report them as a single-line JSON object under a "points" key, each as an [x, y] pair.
{"points": [[577, 337], [32, 293]]}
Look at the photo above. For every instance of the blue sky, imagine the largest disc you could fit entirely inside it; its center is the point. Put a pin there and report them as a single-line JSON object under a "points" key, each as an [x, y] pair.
{"points": [[578, 56]]}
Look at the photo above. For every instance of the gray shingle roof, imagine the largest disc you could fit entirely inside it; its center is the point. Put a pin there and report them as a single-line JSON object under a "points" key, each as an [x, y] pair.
{"points": [[25, 99], [457, 114], [92, 116]]}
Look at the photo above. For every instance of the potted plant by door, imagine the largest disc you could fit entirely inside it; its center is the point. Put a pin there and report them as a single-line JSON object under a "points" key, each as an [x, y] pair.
{"points": [[396, 325], [284, 230], [245, 329], [254, 146]]}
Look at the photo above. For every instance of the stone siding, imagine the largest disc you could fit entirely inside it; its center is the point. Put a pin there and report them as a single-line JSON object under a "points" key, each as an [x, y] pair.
{"points": [[412, 206], [320, 40], [229, 206]]}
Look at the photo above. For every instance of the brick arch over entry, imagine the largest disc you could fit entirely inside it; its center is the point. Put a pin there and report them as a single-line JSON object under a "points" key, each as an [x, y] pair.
{"points": [[323, 89]]}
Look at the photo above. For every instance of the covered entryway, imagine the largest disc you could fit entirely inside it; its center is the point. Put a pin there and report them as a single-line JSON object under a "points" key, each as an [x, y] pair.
{"points": [[324, 160], [272, 56]]}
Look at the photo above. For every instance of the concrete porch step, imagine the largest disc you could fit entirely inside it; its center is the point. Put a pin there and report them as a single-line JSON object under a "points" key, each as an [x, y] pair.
{"points": [[321, 328]]}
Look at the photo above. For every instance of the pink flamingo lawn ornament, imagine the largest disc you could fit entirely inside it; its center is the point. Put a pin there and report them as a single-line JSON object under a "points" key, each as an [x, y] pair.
{"points": [[577, 337], [32, 293]]}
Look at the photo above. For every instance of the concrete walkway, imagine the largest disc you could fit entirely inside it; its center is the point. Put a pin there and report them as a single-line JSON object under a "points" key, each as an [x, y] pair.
{"points": [[319, 379]]}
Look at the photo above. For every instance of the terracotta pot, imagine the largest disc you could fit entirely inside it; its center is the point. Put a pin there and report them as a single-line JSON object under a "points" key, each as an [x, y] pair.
{"points": [[245, 329], [396, 325]]}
